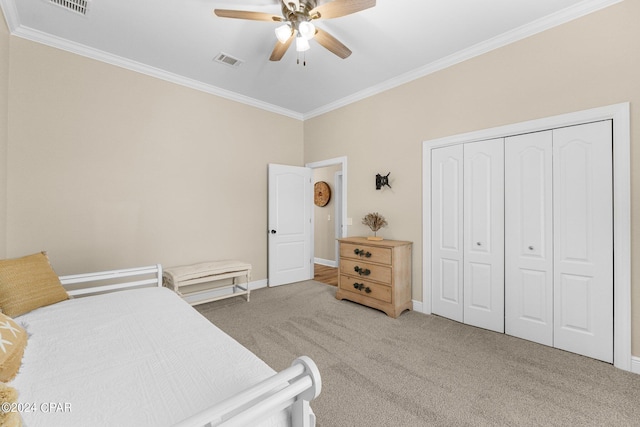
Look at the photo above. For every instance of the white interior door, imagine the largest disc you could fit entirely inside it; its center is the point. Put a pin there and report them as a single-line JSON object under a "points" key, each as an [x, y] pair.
{"points": [[484, 234], [447, 231], [289, 222], [528, 237], [583, 240]]}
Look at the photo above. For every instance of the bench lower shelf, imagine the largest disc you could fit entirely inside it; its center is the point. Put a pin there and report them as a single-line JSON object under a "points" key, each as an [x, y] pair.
{"points": [[238, 290]]}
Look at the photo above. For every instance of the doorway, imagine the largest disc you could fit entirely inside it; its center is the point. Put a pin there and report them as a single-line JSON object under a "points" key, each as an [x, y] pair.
{"points": [[291, 196], [326, 215], [329, 220]]}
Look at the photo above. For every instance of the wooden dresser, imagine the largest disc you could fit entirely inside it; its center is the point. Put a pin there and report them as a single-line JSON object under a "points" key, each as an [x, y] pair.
{"points": [[376, 274]]}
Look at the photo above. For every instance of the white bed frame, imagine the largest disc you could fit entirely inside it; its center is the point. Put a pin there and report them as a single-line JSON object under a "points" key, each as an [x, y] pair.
{"points": [[293, 387]]}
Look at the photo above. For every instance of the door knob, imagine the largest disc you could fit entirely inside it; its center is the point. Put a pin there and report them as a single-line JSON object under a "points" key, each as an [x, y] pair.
{"points": [[530, 248], [273, 231]]}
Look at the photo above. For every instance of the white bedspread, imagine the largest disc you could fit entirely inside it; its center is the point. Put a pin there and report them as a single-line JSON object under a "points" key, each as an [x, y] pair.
{"points": [[135, 358]]}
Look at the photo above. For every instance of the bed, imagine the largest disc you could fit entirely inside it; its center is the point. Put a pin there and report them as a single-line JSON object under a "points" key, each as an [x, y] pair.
{"points": [[138, 355]]}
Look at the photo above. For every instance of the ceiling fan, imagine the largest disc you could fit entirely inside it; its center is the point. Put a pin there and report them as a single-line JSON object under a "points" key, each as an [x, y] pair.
{"points": [[297, 17]]}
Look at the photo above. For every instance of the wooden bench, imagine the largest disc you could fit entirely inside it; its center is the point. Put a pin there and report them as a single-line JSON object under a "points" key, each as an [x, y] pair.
{"points": [[178, 278]]}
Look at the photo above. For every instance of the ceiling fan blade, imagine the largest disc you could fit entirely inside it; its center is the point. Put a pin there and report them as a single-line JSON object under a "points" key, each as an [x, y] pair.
{"points": [[244, 14], [280, 49], [332, 44], [338, 8]]}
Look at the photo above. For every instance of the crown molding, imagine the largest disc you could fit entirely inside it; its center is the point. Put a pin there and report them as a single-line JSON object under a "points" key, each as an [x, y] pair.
{"points": [[19, 30], [517, 34], [538, 26], [10, 14]]}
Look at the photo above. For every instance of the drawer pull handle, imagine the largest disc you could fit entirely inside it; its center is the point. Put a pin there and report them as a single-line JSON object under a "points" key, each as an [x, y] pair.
{"points": [[360, 286], [362, 252], [362, 271]]}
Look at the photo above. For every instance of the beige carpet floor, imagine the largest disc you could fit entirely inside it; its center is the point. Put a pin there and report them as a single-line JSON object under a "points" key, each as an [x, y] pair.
{"points": [[421, 370]]}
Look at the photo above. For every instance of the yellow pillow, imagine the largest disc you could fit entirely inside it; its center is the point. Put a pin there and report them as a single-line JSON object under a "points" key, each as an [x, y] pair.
{"points": [[13, 340], [10, 418], [28, 283]]}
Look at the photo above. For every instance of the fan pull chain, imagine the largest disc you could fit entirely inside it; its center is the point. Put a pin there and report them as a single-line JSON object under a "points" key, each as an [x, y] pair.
{"points": [[304, 59]]}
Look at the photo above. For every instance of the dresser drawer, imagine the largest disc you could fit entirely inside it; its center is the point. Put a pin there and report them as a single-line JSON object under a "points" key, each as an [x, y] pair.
{"points": [[365, 288], [365, 270], [367, 253]]}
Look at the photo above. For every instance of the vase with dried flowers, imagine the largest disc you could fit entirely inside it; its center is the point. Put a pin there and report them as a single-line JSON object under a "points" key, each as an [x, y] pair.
{"points": [[375, 222]]}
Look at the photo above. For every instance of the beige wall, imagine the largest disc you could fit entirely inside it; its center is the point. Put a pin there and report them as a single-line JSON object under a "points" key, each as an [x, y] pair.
{"points": [[107, 168], [110, 168], [4, 113], [324, 238], [590, 62]]}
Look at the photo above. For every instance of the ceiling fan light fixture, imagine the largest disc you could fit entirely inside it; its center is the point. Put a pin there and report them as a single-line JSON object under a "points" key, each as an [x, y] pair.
{"points": [[307, 30], [302, 44], [297, 16], [283, 33]]}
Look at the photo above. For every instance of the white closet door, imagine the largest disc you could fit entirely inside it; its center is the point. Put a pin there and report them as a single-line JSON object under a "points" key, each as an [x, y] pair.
{"points": [[484, 234], [583, 242], [446, 232], [528, 237]]}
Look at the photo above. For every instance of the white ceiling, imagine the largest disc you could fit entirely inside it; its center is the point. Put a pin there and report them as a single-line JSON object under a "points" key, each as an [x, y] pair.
{"points": [[392, 43]]}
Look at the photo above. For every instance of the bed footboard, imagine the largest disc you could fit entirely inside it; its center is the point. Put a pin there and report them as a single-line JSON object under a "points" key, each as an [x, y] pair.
{"points": [[293, 387]]}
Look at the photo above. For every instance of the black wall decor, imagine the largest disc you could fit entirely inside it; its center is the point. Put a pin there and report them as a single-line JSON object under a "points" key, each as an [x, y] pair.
{"points": [[381, 181]]}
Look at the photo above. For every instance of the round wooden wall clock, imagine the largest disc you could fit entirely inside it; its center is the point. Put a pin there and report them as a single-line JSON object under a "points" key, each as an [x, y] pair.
{"points": [[321, 193]]}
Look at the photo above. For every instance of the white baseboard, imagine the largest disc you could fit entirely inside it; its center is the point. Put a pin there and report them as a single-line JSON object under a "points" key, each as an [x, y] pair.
{"points": [[327, 262], [213, 293], [417, 306], [257, 284]]}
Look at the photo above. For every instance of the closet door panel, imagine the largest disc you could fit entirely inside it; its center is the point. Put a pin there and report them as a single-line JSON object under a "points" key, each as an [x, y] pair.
{"points": [[528, 237], [484, 234], [534, 304], [446, 232], [583, 243]]}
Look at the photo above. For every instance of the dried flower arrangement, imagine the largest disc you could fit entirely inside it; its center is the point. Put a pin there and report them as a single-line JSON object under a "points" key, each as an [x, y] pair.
{"points": [[375, 222]]}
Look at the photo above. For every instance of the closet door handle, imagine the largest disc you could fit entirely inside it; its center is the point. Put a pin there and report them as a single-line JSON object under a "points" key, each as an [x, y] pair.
{"points": [[530, 248]]}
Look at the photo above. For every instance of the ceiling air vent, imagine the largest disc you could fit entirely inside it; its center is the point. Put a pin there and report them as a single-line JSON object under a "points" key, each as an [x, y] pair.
{"points": [[77, 6], [229, 60]]}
